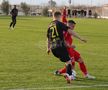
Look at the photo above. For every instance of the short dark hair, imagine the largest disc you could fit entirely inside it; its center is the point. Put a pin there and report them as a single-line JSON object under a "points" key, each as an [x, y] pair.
{"points": [[57, 13], [72, 22], [14, 5]]}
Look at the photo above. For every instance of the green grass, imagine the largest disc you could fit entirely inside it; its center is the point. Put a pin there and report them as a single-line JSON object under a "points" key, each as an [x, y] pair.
{"points": [[25, 64]]}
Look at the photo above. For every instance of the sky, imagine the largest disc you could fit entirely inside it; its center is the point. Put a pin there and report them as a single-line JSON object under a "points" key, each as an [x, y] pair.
{"points": [[61, 2]]}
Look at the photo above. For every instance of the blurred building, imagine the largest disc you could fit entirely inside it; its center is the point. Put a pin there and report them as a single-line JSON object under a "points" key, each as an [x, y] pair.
{"points": [[88, 11], [35, 10]]}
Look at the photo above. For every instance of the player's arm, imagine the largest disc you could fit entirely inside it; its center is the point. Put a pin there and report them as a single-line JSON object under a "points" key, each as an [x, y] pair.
{"points": [[48, 41], [11, 12], [76, 35], [66, 28], [70, 46], [48, 46]]}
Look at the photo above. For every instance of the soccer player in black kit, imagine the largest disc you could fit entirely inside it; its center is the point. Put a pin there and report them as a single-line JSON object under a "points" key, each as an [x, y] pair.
{"points": [[14, 13], [57, 45]]}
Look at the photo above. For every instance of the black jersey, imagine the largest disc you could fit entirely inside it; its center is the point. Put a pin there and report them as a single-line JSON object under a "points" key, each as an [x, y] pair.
{"points": [[55, 33], [14, 12]]}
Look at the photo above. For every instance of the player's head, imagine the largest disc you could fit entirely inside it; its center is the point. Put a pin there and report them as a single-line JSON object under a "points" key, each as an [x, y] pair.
{"points": [[14, 6], [71, 24], [57, 15]]}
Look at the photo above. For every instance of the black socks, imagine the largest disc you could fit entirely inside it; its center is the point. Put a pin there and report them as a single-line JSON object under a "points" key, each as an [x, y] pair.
{"points": [[69, 69]]}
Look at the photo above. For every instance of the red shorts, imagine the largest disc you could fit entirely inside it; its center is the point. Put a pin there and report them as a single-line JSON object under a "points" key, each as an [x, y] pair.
{"points": [[73, 54]]}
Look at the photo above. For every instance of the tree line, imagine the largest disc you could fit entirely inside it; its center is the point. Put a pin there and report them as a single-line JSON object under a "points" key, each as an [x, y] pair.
{"points": [[5, 6]]}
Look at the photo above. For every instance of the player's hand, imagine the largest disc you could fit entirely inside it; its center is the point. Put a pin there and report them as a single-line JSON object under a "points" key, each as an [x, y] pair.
{"points": [[83, 40]]}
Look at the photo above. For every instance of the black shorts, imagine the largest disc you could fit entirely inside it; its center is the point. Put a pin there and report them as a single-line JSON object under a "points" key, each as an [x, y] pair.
{"points": [[61, 53], [13, 18]]}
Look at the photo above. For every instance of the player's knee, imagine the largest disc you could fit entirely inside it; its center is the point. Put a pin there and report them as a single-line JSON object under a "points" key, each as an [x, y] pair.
{"points": [[14, 22], [80, 60], [68, 62]]}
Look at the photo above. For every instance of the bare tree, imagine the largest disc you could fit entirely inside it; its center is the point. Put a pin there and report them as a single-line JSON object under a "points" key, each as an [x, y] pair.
{"points": [[5, 7], [25, 8], [52, 3], [45, 11]]}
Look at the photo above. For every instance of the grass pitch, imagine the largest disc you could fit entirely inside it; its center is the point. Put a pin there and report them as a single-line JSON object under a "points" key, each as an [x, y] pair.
{"points": [[24, 64]]}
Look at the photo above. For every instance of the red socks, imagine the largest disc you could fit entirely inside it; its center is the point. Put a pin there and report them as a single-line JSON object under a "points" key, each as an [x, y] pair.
{"points": [[63, 70], [83, 68]]}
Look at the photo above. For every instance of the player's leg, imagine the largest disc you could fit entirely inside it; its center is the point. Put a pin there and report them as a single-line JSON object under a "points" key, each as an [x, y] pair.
{"points": [[62, 53], [14, 22], [80, 62], [72, 62], [63, 70], [69, 67], [71, 54], [65, 58], [82, 66], [73, 70], [84, 69], [66, 71], [69, 70], [11, 24]]}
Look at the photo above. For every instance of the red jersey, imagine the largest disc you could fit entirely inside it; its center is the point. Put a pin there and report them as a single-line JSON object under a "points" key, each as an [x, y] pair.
{"points": [[68, 38]]}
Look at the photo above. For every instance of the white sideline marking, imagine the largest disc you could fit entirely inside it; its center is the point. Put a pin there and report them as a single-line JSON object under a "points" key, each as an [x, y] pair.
{"points": [[66, 87], [96, 54]]}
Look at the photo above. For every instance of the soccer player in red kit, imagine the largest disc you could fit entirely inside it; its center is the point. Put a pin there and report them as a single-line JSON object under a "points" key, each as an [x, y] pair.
{"points": [[75, 55]]}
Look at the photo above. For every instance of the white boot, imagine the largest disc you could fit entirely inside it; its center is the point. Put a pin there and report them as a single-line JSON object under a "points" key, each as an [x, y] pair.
{"points": [[74, 73], [89, 76]]}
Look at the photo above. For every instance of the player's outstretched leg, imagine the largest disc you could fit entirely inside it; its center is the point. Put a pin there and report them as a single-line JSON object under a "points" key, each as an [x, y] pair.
{"points": [[14, 23], [63, 70], [10, 25], [84, 69], [60, 71]]}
